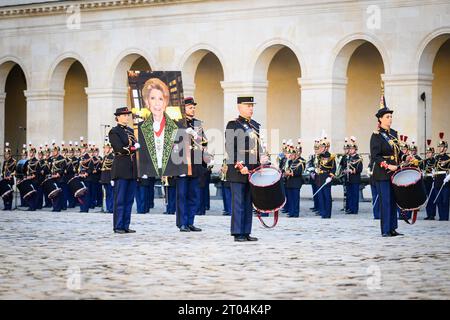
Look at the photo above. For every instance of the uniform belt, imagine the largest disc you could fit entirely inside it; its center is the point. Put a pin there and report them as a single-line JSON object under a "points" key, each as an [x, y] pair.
{"points": [[440, 172], [389, 157]]}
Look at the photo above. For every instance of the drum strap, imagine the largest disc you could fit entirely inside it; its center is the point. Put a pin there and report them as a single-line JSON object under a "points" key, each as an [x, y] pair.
{"points": [[405, 218], [275, 219]]}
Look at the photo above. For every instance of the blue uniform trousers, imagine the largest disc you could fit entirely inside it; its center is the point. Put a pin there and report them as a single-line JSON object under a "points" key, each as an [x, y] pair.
{"points": [[443, 202], [141, 198], [171, 197], [325, 200], [64, 195], [151, 194], [375, 206], [226, 198], [39, 197], [316, 198], [123, 202], [109, 195], [187, 200], [241, 209], [388, 207], [353, 197], [431, 207], [293, 194]]}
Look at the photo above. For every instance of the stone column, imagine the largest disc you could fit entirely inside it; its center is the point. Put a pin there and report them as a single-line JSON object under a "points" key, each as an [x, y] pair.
{"points": [[45, 115], [2, 122], [102, 103], [402, 92], [323, 107]]}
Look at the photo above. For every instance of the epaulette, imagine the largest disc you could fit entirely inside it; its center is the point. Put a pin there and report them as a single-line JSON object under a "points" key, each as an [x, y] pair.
{"points": [[255, 123]]}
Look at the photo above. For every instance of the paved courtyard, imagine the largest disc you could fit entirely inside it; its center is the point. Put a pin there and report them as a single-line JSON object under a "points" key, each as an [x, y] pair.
{"points": [[71, 255]]}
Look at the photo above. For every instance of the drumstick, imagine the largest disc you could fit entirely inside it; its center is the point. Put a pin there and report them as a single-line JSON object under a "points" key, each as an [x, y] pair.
{"points": [[326, 182], [375, 202], [447, 178]]}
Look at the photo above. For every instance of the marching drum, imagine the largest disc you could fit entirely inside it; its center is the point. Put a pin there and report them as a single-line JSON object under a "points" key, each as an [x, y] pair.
{"points": [[266, 189], [409, 189], [5, 188], [77, 187], [50, 188], [21, 168], [26, 188]]}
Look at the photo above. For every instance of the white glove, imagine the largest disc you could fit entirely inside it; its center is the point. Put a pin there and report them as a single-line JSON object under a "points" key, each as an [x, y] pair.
{"points": [[182, 175], [191, 132], [447, 178], [145, 176], [137, 145], [112, 183], [328, 180], [211, 162]]}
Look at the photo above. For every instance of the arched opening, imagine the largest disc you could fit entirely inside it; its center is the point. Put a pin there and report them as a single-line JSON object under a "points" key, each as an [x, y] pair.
{"points": [[75, 103], [15, 109], [283, 96], [209, 93], [441, 92], [363, 93]]}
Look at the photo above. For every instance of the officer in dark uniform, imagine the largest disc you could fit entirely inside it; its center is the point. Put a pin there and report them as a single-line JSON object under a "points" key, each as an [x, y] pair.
{"points": [[342, 175], [293, 179], [92, 177], [47, 170], [123, 173], [427, 167], [65, 188], [41, 173], [57, 169], [353, 173], [71, 168], [310, 168], [243, 147], [189, 193], [282, 165], [326, 168], [85, 168], [97, 173], [441, 183], [386, 155], [105, 178], [8, 171], [31, 174]]}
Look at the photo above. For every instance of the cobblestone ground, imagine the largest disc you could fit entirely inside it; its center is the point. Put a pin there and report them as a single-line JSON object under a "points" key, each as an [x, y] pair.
{"points": [[71, 255]]}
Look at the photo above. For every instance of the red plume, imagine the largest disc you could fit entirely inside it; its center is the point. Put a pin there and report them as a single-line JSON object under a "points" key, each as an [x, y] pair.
{"points": [[428, 141], [441, 135], [401, 137], [406, 138]]}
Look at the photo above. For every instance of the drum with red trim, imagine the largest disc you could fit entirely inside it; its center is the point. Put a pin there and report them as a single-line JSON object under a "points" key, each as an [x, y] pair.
{"points": [[26, 188], [51, 189], [409, 188], [266, 189], [5, 188]]}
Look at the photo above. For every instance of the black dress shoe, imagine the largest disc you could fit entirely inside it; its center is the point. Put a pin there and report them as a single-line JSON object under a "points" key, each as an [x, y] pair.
{"points": [[194, 228], [120, 231], [429, 218], [251, 238], [395, 233], [184, 229], [130, 231], [384, 235], [240, 238]]}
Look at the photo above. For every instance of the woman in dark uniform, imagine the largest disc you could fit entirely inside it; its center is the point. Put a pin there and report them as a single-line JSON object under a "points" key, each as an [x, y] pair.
{"points": [[386, 156]]}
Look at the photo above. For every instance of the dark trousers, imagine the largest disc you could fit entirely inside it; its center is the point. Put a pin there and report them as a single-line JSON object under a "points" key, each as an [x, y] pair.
{"points": [[171, 198], [443, 202], [226, 198], [325, 201], [388, 207], [99, 196], [71, 201], [187, 200], [123, 202], [285, 208], [85, 199], [93, 194], [353, 197], [293, 196], [109, 195], [142, 198], [375, 205], [57, 201], [151, 194], [241, 209], [39, 197], [202, 196], [431, 206], [316, 198], [64, 195]]}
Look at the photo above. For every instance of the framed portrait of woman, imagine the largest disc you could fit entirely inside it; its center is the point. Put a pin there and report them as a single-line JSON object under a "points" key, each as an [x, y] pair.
{"points": [[157, 103]]}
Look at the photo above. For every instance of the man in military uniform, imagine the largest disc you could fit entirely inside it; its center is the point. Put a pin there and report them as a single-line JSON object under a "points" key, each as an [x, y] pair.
{"points": [[105, 179], [31, 174], [57, 169], [343, 176], [41, 173], [188, 189], [47, 171], [293, 179], [71, 167], [124, 171], [441, 177], [65, 188], [353, 173], [427, 167], [85, 168], [243, 147], [97, 174], [326, 168], [8, 171], [311, 167]]}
